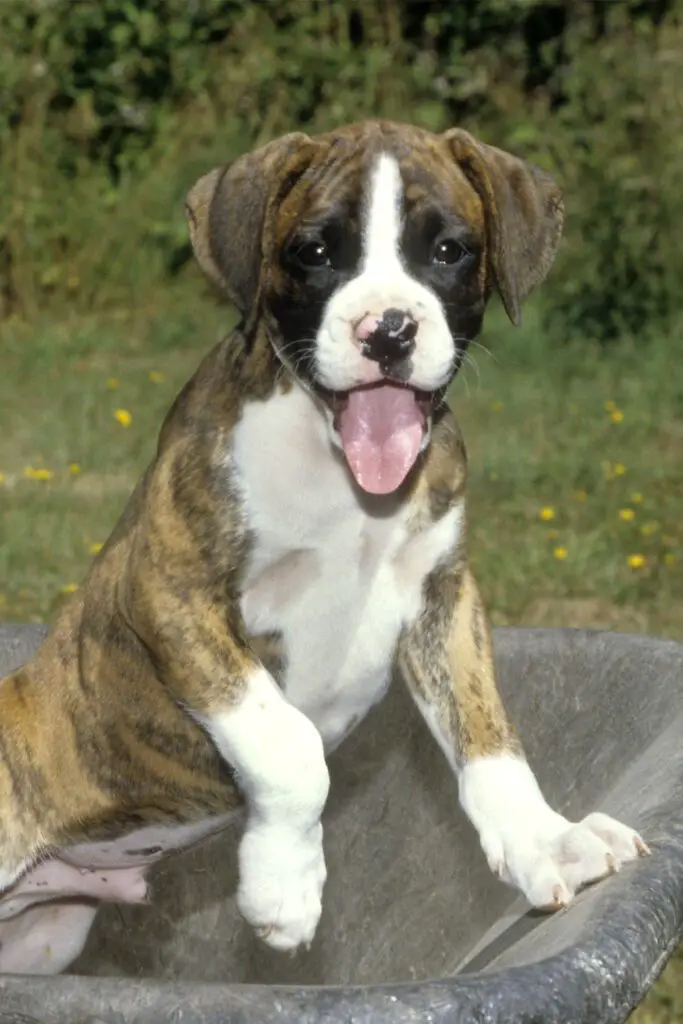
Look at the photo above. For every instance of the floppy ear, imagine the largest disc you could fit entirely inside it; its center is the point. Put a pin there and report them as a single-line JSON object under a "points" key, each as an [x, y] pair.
{"points": [[524, 216], [227, 208]]}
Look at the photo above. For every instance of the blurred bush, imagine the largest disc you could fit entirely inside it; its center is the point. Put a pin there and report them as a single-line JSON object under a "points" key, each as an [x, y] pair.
{"points": [[616, 142], [110, 108]]}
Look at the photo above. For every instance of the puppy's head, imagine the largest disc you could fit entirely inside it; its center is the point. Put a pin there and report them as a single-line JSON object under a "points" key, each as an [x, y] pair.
{"points": [[370, 252]]}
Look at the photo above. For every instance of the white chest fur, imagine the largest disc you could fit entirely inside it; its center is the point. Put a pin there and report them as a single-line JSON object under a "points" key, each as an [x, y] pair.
{"points": [[337, 574]]}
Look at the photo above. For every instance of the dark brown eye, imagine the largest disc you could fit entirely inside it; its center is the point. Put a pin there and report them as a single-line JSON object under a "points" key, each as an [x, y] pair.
{"points": [[448, 252], [312, 254]]}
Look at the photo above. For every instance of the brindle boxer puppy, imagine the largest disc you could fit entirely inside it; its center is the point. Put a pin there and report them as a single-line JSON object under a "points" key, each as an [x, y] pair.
{"points": [[301, 528]]}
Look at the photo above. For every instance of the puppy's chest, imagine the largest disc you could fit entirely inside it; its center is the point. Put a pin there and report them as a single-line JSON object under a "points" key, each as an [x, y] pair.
{"points": [[330, 584]]}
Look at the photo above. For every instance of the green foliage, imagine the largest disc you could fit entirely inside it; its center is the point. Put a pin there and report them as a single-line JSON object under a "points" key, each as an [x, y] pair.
{"points": [[617, 143], [110, 108]]}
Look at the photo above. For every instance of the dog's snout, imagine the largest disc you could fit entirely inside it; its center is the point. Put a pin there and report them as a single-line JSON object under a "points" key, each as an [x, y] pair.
{"points": [[388, 338]]}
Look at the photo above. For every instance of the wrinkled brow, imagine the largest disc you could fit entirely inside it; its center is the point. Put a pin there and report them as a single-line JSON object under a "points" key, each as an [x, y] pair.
{"points": [[325, 209]]}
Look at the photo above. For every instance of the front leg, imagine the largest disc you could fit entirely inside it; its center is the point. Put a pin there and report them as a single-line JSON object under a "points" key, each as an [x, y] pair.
{"points": [[277, 754], [180, 596], [275, 751], [447, 659]]}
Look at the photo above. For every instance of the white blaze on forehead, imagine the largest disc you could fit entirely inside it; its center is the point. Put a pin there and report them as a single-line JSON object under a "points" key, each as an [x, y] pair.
{"points": [[382, 221], [384, 281]]}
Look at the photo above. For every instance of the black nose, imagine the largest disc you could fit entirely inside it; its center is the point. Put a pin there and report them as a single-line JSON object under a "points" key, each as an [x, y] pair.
{"points": [[392, 340]]}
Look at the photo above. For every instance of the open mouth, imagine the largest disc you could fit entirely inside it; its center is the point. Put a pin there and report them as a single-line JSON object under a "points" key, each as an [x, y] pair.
{"points": [[382, 428]]}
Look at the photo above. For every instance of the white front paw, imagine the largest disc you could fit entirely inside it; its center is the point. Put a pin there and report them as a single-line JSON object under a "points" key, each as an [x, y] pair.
{"points": [[549, 859], [282, 873], [529, 845]]}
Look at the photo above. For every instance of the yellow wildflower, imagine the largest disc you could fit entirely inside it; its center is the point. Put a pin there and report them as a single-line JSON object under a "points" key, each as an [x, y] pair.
{"points": [[69, 588], [156, 377], [547, 513], [616, 416], [74, 468], [123, 417], [560, 553], [2, 479], [637, 498], [627, 514], [95, 548], [636, 561], [612, 470], [113, 383], [38, 474]]}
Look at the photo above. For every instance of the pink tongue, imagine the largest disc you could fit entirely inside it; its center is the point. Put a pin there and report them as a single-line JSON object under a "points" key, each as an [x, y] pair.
{"points": [[381, 431]]}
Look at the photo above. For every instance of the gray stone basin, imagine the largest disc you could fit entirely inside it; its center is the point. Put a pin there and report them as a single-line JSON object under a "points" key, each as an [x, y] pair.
{"points": [[415, 928]]}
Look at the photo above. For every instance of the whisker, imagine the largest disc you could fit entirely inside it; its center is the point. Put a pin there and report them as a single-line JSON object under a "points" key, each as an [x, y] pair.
{"points": [[463, 377], [486, 350], [471, 361], [445, 425]]}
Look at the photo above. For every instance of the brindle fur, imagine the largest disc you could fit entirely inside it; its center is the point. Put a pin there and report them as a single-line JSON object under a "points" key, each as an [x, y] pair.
{"points": [[95, 735]]}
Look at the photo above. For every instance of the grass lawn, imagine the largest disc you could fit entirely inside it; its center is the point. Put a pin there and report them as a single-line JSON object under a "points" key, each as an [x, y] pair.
{"points": [[576, 484]]}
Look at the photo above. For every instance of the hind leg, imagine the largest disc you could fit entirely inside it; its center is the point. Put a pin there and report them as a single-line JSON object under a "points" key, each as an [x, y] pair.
{"points": [[47, 937]]}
